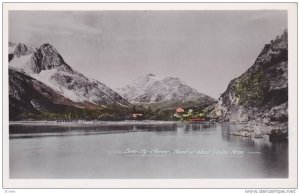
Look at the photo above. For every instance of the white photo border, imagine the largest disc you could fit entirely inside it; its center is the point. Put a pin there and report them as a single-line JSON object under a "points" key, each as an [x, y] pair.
{"points": [[290, 182]]}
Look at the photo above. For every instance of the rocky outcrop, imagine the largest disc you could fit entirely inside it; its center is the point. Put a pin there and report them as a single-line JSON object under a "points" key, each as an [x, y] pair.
{"points": [[261, 93], [46, 57], [22, 49]]}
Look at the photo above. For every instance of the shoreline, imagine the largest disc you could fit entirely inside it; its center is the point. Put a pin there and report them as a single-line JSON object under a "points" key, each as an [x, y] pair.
{"points": [[244, 129], [92, 123]]}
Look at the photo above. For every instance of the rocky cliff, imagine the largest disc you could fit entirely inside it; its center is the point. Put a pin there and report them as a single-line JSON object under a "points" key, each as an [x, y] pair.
{"points": [[260, 95]]}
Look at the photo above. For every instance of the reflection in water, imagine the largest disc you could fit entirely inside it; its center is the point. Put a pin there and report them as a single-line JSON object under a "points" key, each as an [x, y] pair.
{"points": [[273, 154], [26, 129], [190, 127], [85, 152]]}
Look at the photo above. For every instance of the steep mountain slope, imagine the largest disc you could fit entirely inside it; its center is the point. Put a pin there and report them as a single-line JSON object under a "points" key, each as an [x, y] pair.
{"points": [[27, 95], [47, 66], [166, 93], [261, 93]]}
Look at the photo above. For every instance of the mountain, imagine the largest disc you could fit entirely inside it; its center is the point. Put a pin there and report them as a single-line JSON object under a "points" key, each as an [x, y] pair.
{"points": [[167, 93], [260, 95], [45, 67]]}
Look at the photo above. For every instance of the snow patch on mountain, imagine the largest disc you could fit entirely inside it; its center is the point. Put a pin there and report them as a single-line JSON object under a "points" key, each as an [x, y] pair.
{"points": [[22, 63], [45, 77]]}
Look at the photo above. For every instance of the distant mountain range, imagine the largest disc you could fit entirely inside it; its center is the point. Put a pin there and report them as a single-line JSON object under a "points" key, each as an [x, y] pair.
{"points": [[168, 92], [40, 81]]}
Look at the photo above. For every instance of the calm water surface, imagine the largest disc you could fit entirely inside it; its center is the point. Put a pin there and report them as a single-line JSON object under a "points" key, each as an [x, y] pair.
{"points": [[156, 151]]}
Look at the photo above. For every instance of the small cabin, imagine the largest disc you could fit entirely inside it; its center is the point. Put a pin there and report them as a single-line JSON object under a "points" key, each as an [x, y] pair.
{"points": [[179, 110], [137, 115]]}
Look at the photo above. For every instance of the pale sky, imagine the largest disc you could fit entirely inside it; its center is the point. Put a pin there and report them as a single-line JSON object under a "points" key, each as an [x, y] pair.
{"points": [[206, 49]]}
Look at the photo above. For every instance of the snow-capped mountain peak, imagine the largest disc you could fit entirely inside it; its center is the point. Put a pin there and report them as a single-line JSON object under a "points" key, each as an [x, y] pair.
{"points": [[150, 89], [33, 61], [151, 75], [20, 49]]}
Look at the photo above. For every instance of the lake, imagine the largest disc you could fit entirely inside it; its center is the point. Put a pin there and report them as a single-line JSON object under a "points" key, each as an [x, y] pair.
{"points": [[142, 151]]}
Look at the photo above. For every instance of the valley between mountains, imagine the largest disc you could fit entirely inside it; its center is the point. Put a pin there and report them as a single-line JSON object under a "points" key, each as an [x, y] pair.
{"points": [[42, 86]]}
